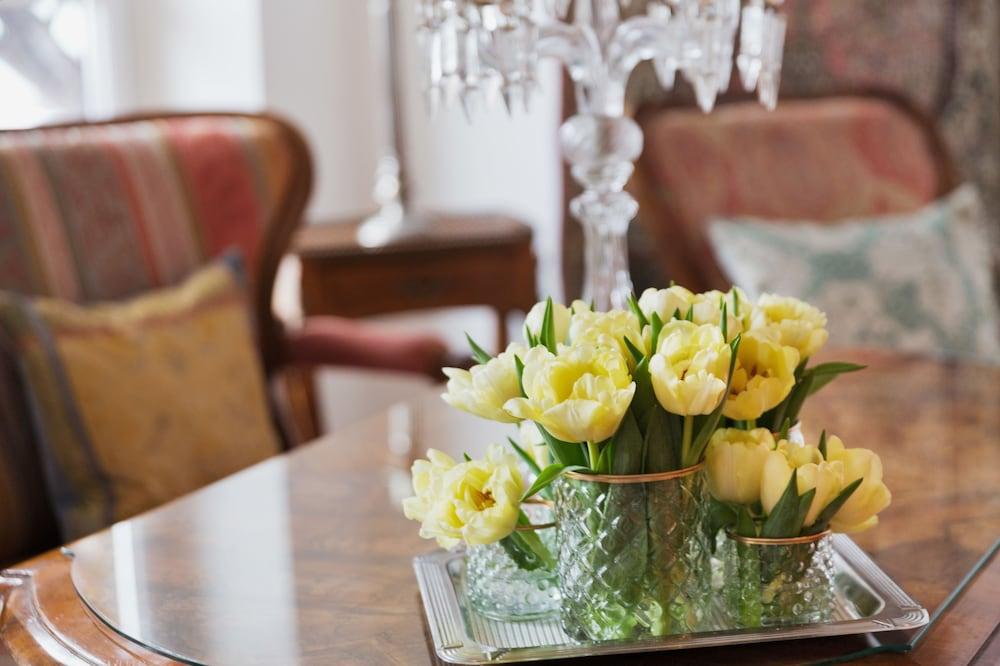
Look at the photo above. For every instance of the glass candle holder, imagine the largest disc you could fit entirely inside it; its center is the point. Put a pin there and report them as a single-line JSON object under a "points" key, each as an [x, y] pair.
{"points": [[770, 582], [501, 590], [634, 557]]}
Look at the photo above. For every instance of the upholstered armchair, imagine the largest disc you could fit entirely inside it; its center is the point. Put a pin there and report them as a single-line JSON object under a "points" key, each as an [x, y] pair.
{"points": [[102, 211]]}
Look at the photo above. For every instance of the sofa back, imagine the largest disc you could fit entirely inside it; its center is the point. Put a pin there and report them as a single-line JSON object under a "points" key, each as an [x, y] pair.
{"points": [[823, 159]]}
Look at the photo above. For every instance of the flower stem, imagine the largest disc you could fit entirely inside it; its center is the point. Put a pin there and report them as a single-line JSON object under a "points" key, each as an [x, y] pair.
{"points": [[686, 441], [594, 453]]}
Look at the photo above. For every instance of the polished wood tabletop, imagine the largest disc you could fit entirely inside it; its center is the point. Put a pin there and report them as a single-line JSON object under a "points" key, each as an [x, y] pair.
{"points": [[305, 558]]}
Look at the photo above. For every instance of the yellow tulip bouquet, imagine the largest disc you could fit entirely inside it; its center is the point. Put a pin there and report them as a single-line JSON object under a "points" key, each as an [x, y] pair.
{"points": [[626, 403], [778, 500]]}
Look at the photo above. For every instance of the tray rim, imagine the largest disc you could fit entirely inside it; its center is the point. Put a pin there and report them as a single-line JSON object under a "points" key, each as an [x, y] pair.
{"points": [[453, 645]]}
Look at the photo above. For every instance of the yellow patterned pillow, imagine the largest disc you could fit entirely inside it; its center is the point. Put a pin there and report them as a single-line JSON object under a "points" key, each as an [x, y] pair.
{"points": [[137, 403]]}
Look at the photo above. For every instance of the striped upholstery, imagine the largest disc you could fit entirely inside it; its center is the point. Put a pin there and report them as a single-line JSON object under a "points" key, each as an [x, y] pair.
{"points": [[103, 211], [109, 210]]}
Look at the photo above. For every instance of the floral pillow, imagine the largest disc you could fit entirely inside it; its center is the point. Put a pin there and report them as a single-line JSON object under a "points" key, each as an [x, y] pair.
{"points": [[920, 282]]}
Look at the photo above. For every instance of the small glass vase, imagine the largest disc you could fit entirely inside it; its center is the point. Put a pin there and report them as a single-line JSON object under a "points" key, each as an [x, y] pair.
{"points": [[499, 589], [771, 582], [634, 558]]}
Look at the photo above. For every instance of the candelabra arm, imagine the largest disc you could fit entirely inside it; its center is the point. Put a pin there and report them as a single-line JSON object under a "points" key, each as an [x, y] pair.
{"points": [[637, 39], [601, 150], [574, 45]]}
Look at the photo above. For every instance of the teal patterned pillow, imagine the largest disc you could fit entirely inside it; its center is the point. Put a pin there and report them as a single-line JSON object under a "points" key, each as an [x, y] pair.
{"points": [[919, 282]]}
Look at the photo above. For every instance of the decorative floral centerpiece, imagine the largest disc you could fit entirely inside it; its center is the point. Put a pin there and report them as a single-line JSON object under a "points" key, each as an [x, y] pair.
{"points": [[482, 504], [777, 503], [617, 409]]}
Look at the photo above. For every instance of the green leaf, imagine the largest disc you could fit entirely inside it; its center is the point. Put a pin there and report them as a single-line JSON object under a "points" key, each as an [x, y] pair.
{"points": [[644, 399], [825, 373], [522, 554], [530, 337], [830, 510], [805, 501], [634, 307], [656, 326], [661, 452], [627, 450], [822, 444], [478, 352], [525, 456], [677, 314], [547, 476], [565, 453], [785, 427], [797, 398], [690, 313], [548, 332], [467, 457], [519, 366], [724, 322], [526, 548], [835, 368], [637, 353], [607, 455], [736, 303], [720, 516], [745, 526], [779, 523]]}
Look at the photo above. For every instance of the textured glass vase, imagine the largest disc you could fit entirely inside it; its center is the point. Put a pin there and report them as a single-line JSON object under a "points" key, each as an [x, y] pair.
{"points": [[634, 559], [769, 582], [499, 589]]}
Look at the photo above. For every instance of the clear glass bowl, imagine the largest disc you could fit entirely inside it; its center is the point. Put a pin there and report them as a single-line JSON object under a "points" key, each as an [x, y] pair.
{"points": [[634, 559], [770, 582], [499, 589]]}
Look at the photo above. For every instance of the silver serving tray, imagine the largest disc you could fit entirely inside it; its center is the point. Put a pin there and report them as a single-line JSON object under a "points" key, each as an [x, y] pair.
{"points": [[867, 601]]}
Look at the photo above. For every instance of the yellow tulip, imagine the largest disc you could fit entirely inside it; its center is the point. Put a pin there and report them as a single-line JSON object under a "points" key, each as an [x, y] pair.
{"points": [[485, 388], [534, 444], [426, 478], [859, 511], [665, 302], [560, 321], [707, 309], [799, 453], [774, 477], [734, 462], [763, 377], [690, 368], [607, 329], [827, 478], [790, 322], [475, 502], [579, 395]]}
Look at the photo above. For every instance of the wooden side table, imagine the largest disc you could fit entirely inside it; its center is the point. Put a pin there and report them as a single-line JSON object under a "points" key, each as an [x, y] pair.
{"points": [[456, 260]]}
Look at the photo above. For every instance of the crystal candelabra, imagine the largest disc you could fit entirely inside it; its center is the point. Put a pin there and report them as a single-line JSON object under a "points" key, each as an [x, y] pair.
{"points": [[476, 49]]}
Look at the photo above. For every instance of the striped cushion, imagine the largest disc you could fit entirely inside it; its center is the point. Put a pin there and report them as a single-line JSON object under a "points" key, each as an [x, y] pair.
{"points": [[104, 211], [139, 402]]}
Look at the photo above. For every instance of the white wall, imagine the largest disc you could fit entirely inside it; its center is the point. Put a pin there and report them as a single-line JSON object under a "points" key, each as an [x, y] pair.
{"points": [[309, 60], [180, 54], [317, 72]]}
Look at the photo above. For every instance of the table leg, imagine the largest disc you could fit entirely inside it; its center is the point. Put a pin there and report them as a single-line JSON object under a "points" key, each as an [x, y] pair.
{"points": [[501, 329]]}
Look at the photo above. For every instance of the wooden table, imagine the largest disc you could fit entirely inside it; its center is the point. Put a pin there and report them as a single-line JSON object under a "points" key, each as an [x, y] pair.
{"points": [[343, 547], [455, 260]]}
